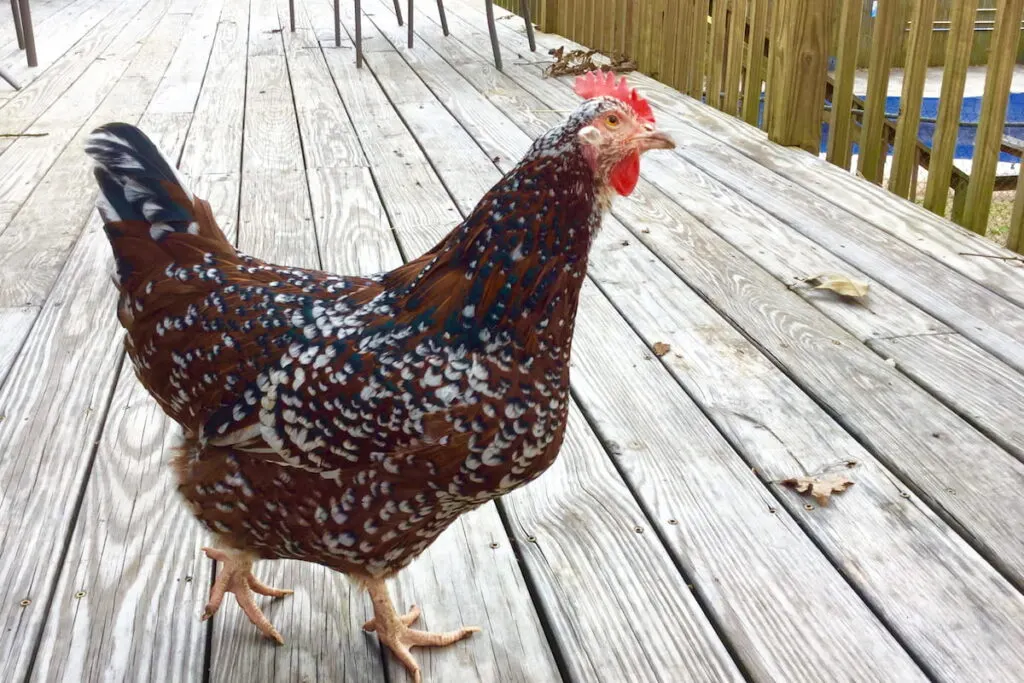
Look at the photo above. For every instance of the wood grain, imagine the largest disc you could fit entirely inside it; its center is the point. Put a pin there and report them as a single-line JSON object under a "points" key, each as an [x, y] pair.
{"points": [[65, 28], [30, 257], [215, 141], [27, 104], [15, 321], [28, 158]]}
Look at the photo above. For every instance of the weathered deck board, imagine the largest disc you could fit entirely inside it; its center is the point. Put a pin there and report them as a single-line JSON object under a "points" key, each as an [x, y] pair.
{"points": [[662, 530], [49, 84], [884, 583], [873, 399], [28, 158]]}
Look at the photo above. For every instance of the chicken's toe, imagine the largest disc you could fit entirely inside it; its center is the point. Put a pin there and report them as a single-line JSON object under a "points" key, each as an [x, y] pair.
{"points": [[235, 576]]}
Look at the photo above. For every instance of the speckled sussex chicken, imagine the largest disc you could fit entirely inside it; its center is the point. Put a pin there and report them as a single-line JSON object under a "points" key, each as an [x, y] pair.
{"points": [[347, 421]]}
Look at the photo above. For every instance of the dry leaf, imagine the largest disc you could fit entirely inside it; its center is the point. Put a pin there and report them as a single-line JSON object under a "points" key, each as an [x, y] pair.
{"points": [[840, 284], [661, 348], [820, 487], [578, 62]]}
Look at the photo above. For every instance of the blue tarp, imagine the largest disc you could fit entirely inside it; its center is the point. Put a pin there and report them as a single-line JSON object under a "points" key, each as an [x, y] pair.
{"points": [[970, 111]]}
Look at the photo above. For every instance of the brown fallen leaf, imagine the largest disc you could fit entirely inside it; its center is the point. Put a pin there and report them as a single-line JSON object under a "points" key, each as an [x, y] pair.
{"points": [[840, 284], [661, 348], [820, 487]]}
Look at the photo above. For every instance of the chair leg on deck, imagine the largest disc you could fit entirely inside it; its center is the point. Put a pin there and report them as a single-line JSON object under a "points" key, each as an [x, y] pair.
{"points": [[444, 19], [398, 12], [359, 34], [291, 14], [26, 29], [16, 13], [489, 6], [524, 7], [408, 20], [337, 23]]}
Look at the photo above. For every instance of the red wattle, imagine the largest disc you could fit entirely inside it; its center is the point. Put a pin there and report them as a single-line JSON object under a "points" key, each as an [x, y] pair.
{"points": [[626, 174]]}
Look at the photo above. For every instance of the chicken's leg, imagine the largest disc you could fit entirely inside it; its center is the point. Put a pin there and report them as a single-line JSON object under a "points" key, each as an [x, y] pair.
{"points": [[393, 629], [235, 576]]}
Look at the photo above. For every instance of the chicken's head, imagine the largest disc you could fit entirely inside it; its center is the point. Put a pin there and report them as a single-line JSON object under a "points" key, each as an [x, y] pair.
{"points": [[616, 126]]}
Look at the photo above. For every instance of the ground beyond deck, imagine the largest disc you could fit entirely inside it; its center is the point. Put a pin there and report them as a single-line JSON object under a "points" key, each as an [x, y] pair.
{"points": [[661, 546]]}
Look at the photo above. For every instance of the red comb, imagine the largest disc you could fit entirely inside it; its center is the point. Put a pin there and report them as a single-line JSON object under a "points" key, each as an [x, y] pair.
{"points": [[599, 83]]}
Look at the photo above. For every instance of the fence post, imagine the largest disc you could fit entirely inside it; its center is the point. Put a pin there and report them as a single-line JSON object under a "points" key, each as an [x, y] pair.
{"points": [[797, 67], [993, 114]]}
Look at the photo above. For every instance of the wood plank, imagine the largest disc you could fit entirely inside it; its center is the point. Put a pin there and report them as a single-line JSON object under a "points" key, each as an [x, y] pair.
{"points": [[63, 30], [214, 144], [55, 404], [28, 158], [41, 11], [998, 74], [16, 322], [29, 258], [716, 54], [320, 119], [752, 86], [180, 87], [452, 87], [699, 49], [734, 57], [904, 159], [838, 149], [797, 65], [873, 148], [954, 76], [833, 367]]}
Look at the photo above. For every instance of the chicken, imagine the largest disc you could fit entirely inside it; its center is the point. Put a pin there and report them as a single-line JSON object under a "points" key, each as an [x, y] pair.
{"points": [[345, 420]]}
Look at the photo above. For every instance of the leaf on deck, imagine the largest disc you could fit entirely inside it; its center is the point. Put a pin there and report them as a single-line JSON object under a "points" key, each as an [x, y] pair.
{"points": [[661, 348], [840, 284], [820, 487], [578, 62]]}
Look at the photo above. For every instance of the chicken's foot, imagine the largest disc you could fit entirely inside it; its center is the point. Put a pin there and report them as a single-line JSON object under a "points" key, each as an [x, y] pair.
{"points": [[235, 576], [393, 629]]}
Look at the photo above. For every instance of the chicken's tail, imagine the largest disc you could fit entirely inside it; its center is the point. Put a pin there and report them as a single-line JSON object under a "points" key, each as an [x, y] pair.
{"points": [[151, 218]]}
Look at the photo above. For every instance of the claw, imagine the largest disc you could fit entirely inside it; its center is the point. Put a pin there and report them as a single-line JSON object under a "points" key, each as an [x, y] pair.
{"points": [[393, 629], [236, 577]]}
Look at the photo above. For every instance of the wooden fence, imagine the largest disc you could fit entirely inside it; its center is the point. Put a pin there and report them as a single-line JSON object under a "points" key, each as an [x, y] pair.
{"points": [[789, 56]]}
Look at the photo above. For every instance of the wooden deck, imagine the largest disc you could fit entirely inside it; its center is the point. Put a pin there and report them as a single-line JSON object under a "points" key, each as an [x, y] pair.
{"points": [[661, 546]]}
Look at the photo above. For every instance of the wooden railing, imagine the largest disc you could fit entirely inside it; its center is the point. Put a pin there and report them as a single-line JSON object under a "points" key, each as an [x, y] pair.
{"points": [[774, 62]]}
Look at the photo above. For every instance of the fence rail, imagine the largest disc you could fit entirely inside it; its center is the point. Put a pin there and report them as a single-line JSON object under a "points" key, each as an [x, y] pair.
{"points": [[774, 63]]}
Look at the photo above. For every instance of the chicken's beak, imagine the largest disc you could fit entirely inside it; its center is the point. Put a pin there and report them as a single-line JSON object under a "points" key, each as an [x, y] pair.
{"points": [[653, 139]]}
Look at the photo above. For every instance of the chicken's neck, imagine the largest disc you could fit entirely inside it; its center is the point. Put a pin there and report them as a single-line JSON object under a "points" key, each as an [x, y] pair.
{"points": [[516, 264]]}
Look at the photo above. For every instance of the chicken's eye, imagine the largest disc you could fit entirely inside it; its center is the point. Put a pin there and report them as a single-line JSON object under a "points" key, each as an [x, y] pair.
{"points": [[612, 120]]}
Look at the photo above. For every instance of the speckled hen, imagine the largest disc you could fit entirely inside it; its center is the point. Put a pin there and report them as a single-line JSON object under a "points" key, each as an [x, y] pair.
{"points": [[349, 420]]}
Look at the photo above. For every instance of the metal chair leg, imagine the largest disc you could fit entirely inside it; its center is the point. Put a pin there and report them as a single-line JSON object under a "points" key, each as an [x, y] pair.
{"points": [[524, 7], [408, 20], [30, 37], [337, 23], [359, 34], [398, 12], [17, 24], [489, 6], [444, 19], [291, 13]]}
